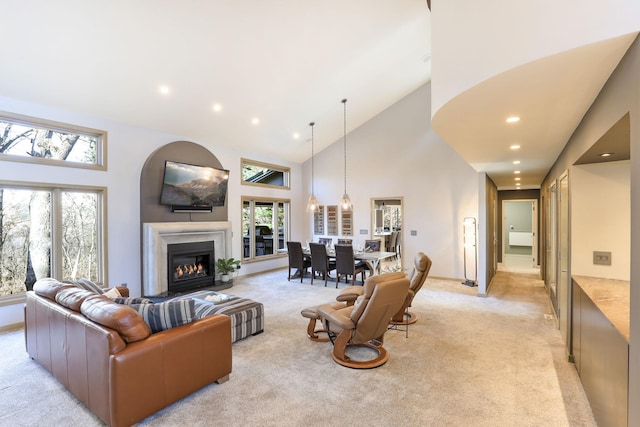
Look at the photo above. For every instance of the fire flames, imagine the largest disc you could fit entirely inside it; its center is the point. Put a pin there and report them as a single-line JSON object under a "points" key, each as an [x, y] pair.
{"points": [[183, 272]]}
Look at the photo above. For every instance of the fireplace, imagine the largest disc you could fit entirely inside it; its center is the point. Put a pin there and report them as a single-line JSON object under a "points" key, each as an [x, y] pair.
{"points": [[190, 266], [158, 237]]}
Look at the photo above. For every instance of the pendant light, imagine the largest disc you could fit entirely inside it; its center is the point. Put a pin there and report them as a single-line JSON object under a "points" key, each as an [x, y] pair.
{"points": [[312, 204], [345, 202]]}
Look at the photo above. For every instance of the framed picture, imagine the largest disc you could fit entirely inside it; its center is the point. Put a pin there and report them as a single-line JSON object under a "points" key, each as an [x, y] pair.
{"points": [[318, 221], [332, 220]]}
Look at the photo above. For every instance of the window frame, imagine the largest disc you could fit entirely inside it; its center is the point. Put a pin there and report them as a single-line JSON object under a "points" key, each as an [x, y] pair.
{"points": [[56, 228], [100, 135], [286, 172], [252, 233]]}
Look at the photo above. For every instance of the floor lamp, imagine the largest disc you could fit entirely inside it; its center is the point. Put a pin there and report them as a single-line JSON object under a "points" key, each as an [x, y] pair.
{"points": [[470, 243]]}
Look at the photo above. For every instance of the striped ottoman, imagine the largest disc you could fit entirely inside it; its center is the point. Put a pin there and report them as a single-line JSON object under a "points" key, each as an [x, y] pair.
{"points": [[247, 316]]}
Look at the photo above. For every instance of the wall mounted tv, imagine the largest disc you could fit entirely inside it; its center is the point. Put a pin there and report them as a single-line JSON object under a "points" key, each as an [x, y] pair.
{"points": [[192, 186]]}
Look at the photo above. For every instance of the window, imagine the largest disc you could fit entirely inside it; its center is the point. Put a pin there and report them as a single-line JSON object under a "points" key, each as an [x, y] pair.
{"points": [[27, 139], [49, 232], [265, 227], [264, 174]]}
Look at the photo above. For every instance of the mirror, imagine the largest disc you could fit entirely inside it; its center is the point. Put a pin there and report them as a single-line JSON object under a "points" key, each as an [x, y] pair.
{"points": [[386, 224]]}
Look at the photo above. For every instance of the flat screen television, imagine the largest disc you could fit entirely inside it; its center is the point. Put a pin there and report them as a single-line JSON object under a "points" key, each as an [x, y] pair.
{"points": [[186, 185]]}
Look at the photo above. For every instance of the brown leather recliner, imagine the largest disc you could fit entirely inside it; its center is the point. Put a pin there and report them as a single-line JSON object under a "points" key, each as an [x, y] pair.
{"points": [[422, 265], [365, 322]]}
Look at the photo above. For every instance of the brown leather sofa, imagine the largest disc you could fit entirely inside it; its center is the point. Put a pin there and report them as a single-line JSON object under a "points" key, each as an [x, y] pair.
{"points": [[121, 372]]}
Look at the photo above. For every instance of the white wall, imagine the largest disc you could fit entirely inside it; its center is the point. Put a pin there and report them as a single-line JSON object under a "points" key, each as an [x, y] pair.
{"points": [[128, 149], [397, 154], [604, 225]]}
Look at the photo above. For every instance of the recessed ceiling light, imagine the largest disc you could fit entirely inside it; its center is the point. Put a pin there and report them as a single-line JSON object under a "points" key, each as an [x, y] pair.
{"points": [[517, 179], [516, 172], [296, 135], [517, 184], [255, 121], [606, 154], [515, 147], [516, 162], [513, 119], [164, 89], [217, 108]]}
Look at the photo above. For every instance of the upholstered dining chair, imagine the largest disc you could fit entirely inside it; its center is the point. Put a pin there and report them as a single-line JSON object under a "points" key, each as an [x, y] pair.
{"points": [[297, 259], [422, 265], [346, 264], [365, 323], [320, 262]]}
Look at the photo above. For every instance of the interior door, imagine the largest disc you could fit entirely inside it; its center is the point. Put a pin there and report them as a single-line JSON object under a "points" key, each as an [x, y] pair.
{"points": [[564, 293], [552, 246]]}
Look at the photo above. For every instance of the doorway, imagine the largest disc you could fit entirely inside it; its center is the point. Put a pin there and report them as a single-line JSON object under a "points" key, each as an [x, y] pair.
{"points": [[519, 235], [386, 225]]}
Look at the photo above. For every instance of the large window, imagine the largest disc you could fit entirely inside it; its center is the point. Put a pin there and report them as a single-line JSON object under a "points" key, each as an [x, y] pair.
{"points": [[49, 232], [264, 174], [265, 227], [27, 139]]}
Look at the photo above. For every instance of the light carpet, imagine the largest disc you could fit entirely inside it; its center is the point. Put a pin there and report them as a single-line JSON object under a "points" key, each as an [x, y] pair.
{"points": [[468, 361]]}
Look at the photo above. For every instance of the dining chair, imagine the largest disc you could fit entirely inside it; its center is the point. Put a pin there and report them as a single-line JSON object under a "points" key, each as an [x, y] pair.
{"points": [[320, 262], [297, 259], [346, 264], [345, 241], [393, 242]]}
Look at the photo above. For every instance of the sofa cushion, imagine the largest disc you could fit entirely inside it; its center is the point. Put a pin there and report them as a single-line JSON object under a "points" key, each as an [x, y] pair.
{"points": [[167, 315], [121, 318], [48, 287], [73, 297]]}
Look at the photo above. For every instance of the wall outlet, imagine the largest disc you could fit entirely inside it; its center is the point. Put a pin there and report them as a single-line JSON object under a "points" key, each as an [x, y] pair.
{"points": [[414, 232], [601, 258], [124, 285]]}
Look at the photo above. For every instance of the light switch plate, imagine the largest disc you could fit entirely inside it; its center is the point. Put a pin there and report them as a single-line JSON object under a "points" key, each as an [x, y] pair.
{"points": [[414, 232], [601, 258], [364, 231]]}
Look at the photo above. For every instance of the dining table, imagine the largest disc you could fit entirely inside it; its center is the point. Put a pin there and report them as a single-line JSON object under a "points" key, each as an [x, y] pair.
{"points": [[372, 259]]}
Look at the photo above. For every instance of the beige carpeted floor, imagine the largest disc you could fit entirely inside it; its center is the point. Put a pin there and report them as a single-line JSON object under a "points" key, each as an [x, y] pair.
{"points": [[468, 361]]}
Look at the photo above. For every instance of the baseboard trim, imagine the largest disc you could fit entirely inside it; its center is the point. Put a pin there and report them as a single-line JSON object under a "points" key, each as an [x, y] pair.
{"points": [[11, 328]]}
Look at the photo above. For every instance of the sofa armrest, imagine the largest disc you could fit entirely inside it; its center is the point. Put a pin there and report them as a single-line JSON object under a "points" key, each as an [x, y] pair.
{"points": [[151, 374]]}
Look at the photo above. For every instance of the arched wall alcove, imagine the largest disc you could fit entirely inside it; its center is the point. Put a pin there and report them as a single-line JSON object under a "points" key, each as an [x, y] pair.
{"points": [[151, 183]]}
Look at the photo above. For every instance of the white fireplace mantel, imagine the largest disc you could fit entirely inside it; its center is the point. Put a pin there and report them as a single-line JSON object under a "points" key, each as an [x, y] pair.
{"points": [[157, 235]]}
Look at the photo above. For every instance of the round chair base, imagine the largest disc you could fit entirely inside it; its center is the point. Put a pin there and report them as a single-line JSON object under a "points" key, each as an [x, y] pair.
{"points": [[383, 356], [408, 319]]}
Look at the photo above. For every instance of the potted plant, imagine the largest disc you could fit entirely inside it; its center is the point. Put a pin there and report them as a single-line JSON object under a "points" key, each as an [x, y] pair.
{"points": [[225, 267]]}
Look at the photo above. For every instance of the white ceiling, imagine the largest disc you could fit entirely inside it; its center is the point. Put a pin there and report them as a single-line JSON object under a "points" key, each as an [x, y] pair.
{"points": [[287, 62]]}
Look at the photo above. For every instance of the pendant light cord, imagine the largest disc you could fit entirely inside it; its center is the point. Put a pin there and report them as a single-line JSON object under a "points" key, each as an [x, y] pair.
{"points": [[312, 154], [344, 101]]}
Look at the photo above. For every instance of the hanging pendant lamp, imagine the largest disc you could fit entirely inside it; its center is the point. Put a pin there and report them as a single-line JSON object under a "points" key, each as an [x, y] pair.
{"points": [[345, 202], [312, 203]]}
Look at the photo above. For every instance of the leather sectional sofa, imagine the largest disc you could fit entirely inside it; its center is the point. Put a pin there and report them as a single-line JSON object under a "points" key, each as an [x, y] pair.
{"points": [[113, 364]]}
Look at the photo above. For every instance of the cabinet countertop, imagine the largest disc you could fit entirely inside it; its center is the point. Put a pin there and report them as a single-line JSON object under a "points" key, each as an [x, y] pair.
{"points": [[612, 297]]}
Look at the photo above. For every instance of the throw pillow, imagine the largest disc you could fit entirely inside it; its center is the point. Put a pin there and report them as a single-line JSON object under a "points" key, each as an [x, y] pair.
{"points": [[124, 320], [132, 300], [88, 285], [112, 293], [166, 315]]}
